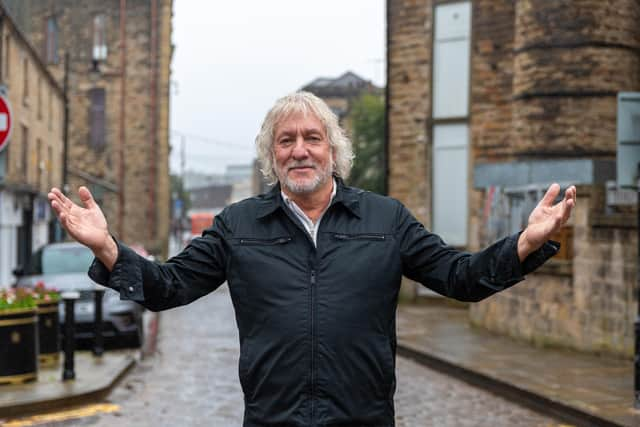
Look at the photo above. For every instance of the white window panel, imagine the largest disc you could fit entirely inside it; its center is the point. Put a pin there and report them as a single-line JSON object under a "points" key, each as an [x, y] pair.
{"points": [[451, 79], [453, 20], [450, 175], [451, 64]]}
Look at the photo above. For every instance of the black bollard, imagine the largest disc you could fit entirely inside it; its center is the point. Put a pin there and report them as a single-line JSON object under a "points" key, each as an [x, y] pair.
{"points": [[98, 340], [69, 298]]}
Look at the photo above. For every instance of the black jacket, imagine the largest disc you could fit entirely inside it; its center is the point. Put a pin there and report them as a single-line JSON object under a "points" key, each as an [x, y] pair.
{"points": [[317, 325]]}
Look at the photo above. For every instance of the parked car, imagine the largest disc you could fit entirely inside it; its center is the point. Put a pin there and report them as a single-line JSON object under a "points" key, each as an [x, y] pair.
{"points": [[64, 266]]}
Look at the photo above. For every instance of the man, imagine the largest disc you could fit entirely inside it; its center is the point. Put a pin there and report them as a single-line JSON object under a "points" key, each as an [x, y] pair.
{"points": [[314, 269]]}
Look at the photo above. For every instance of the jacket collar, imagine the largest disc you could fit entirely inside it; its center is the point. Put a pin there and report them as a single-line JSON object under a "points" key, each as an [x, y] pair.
{"points": [[272, 201]]}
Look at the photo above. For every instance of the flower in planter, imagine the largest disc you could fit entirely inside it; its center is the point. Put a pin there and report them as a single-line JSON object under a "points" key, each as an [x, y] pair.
{"points": [[14, 299], [42, 294]]}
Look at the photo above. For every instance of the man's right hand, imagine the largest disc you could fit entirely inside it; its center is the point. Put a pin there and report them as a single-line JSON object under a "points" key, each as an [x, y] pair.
{"points": [[85, 224]]}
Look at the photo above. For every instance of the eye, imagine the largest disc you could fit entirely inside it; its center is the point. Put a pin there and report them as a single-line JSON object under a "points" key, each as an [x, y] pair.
{"points": [[285, 141]]}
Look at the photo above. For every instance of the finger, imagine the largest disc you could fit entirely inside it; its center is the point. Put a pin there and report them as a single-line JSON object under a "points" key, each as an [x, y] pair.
{"points": [[550, 195], [574, 193], [56, 203], [57, 207], [63, 199], [86, 197], [568, 203]]}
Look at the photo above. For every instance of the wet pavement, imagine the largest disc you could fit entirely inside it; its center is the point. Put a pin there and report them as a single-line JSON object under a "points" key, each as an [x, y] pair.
{"points": [[94, 377], [598, 387], [192, 380]]}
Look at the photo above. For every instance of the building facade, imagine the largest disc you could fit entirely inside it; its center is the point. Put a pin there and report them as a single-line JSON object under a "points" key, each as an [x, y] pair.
{"points": [[31, 163], [489, 102], [119, 55]]}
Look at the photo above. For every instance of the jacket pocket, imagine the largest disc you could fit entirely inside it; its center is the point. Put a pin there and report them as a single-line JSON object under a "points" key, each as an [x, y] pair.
{"points": [[253, 241], [360, 236]]}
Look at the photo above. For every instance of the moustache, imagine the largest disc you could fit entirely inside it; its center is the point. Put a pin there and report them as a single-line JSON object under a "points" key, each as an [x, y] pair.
{"points": [[295, 165]]}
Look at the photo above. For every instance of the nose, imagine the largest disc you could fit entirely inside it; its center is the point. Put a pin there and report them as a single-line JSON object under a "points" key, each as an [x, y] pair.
{"points": [[300, 149]]}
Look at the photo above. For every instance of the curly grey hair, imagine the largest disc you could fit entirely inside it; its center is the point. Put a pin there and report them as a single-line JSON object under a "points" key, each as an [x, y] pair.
{"points": [[305, 103]]}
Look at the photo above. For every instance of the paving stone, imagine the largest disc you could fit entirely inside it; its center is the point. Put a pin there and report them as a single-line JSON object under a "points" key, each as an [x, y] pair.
{"points": [[192, 380]]}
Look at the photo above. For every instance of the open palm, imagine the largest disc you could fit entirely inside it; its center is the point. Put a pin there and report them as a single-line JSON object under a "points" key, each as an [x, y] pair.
{"points": [[85, 224], [547, 218]]}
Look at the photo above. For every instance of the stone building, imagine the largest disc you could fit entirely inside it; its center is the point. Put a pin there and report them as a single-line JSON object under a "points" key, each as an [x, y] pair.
{"points": [[489, 101], [340, 91], [32, 161], [119, 56]]}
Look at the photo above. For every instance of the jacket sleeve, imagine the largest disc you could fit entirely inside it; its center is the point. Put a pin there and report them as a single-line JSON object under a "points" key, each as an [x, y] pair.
{"points": [[461, 275], [199, 269]]}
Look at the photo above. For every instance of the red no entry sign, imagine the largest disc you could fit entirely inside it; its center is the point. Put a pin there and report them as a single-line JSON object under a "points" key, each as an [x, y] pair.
{"points": [[5, 122]]}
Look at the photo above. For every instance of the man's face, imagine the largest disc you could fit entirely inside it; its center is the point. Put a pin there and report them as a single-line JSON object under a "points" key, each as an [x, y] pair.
{"points": [[303, 157]]}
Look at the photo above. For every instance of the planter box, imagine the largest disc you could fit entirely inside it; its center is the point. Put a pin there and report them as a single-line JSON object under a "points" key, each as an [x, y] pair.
{"points": [[48, 334], [18, 346]]}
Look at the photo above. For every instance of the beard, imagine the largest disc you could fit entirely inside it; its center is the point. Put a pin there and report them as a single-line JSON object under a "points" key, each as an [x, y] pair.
{"points": [[304, 185]]}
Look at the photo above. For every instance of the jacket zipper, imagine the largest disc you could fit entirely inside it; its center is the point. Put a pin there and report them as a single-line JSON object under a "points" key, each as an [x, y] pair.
{"points": [[359, 236], [279, 241], [313, 353]]}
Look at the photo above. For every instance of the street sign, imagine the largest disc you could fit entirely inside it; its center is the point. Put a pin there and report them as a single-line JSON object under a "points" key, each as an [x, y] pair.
{"points": [[5, 121]]}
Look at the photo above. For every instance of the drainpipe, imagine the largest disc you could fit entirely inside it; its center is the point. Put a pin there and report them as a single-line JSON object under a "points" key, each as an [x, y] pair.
{"points": [[65, 125], [123, 95], [387, 97], [153, 131], [637, 322]]}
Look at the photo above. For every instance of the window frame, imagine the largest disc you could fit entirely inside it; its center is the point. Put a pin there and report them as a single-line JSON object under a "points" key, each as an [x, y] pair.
{"points": [[51, 44], [432, 122]]}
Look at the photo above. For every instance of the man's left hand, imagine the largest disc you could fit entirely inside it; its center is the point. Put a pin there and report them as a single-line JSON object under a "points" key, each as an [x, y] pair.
{"points": [[546, 219]]}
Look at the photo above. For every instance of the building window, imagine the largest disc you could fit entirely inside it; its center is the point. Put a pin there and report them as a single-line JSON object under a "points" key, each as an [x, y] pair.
{"points": [[49, 166], [25, 152], [451, 70], [39, 163], [97, 118], [99, 38], [39, 99], [51, 41], [451, 44], [7, 56], [25, 81], [50, 110]]}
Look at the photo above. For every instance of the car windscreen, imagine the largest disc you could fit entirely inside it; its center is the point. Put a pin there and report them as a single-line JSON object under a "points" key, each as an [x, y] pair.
{"points": [[76, 259]]}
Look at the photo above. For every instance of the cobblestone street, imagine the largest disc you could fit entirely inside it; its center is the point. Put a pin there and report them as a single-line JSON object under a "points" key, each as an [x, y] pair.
{"points": [[193, 381]]}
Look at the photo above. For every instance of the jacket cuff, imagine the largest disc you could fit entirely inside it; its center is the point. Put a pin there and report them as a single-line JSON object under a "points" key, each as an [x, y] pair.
{"points": [[126, 276], [540, 256], [507, 271]]}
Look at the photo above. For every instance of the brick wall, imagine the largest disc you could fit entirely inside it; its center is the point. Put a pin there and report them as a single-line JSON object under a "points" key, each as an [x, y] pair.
{"points": [[36, 109], [141, 212], [409, 80], [544, 81]]}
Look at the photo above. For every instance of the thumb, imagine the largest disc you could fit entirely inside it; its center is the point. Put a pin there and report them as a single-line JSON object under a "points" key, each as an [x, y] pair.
{"points": [[87, 198]]}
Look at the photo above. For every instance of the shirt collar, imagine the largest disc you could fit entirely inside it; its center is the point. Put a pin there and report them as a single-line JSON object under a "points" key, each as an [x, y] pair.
{"points": [[288, 201], [344, 195]]}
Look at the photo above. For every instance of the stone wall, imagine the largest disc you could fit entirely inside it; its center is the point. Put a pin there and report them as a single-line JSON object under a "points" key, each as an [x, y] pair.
{"points": [[592, 307], [544, 80], [37, 112], [409, 80], [133, 164]]}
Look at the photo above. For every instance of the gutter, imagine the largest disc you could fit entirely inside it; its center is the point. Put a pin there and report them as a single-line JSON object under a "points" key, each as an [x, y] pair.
{"points": [[387, 97], [123, 94]]}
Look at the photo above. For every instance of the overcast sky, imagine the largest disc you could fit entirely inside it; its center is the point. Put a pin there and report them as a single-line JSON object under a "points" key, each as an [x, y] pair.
{"points": [[233, 59]]}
